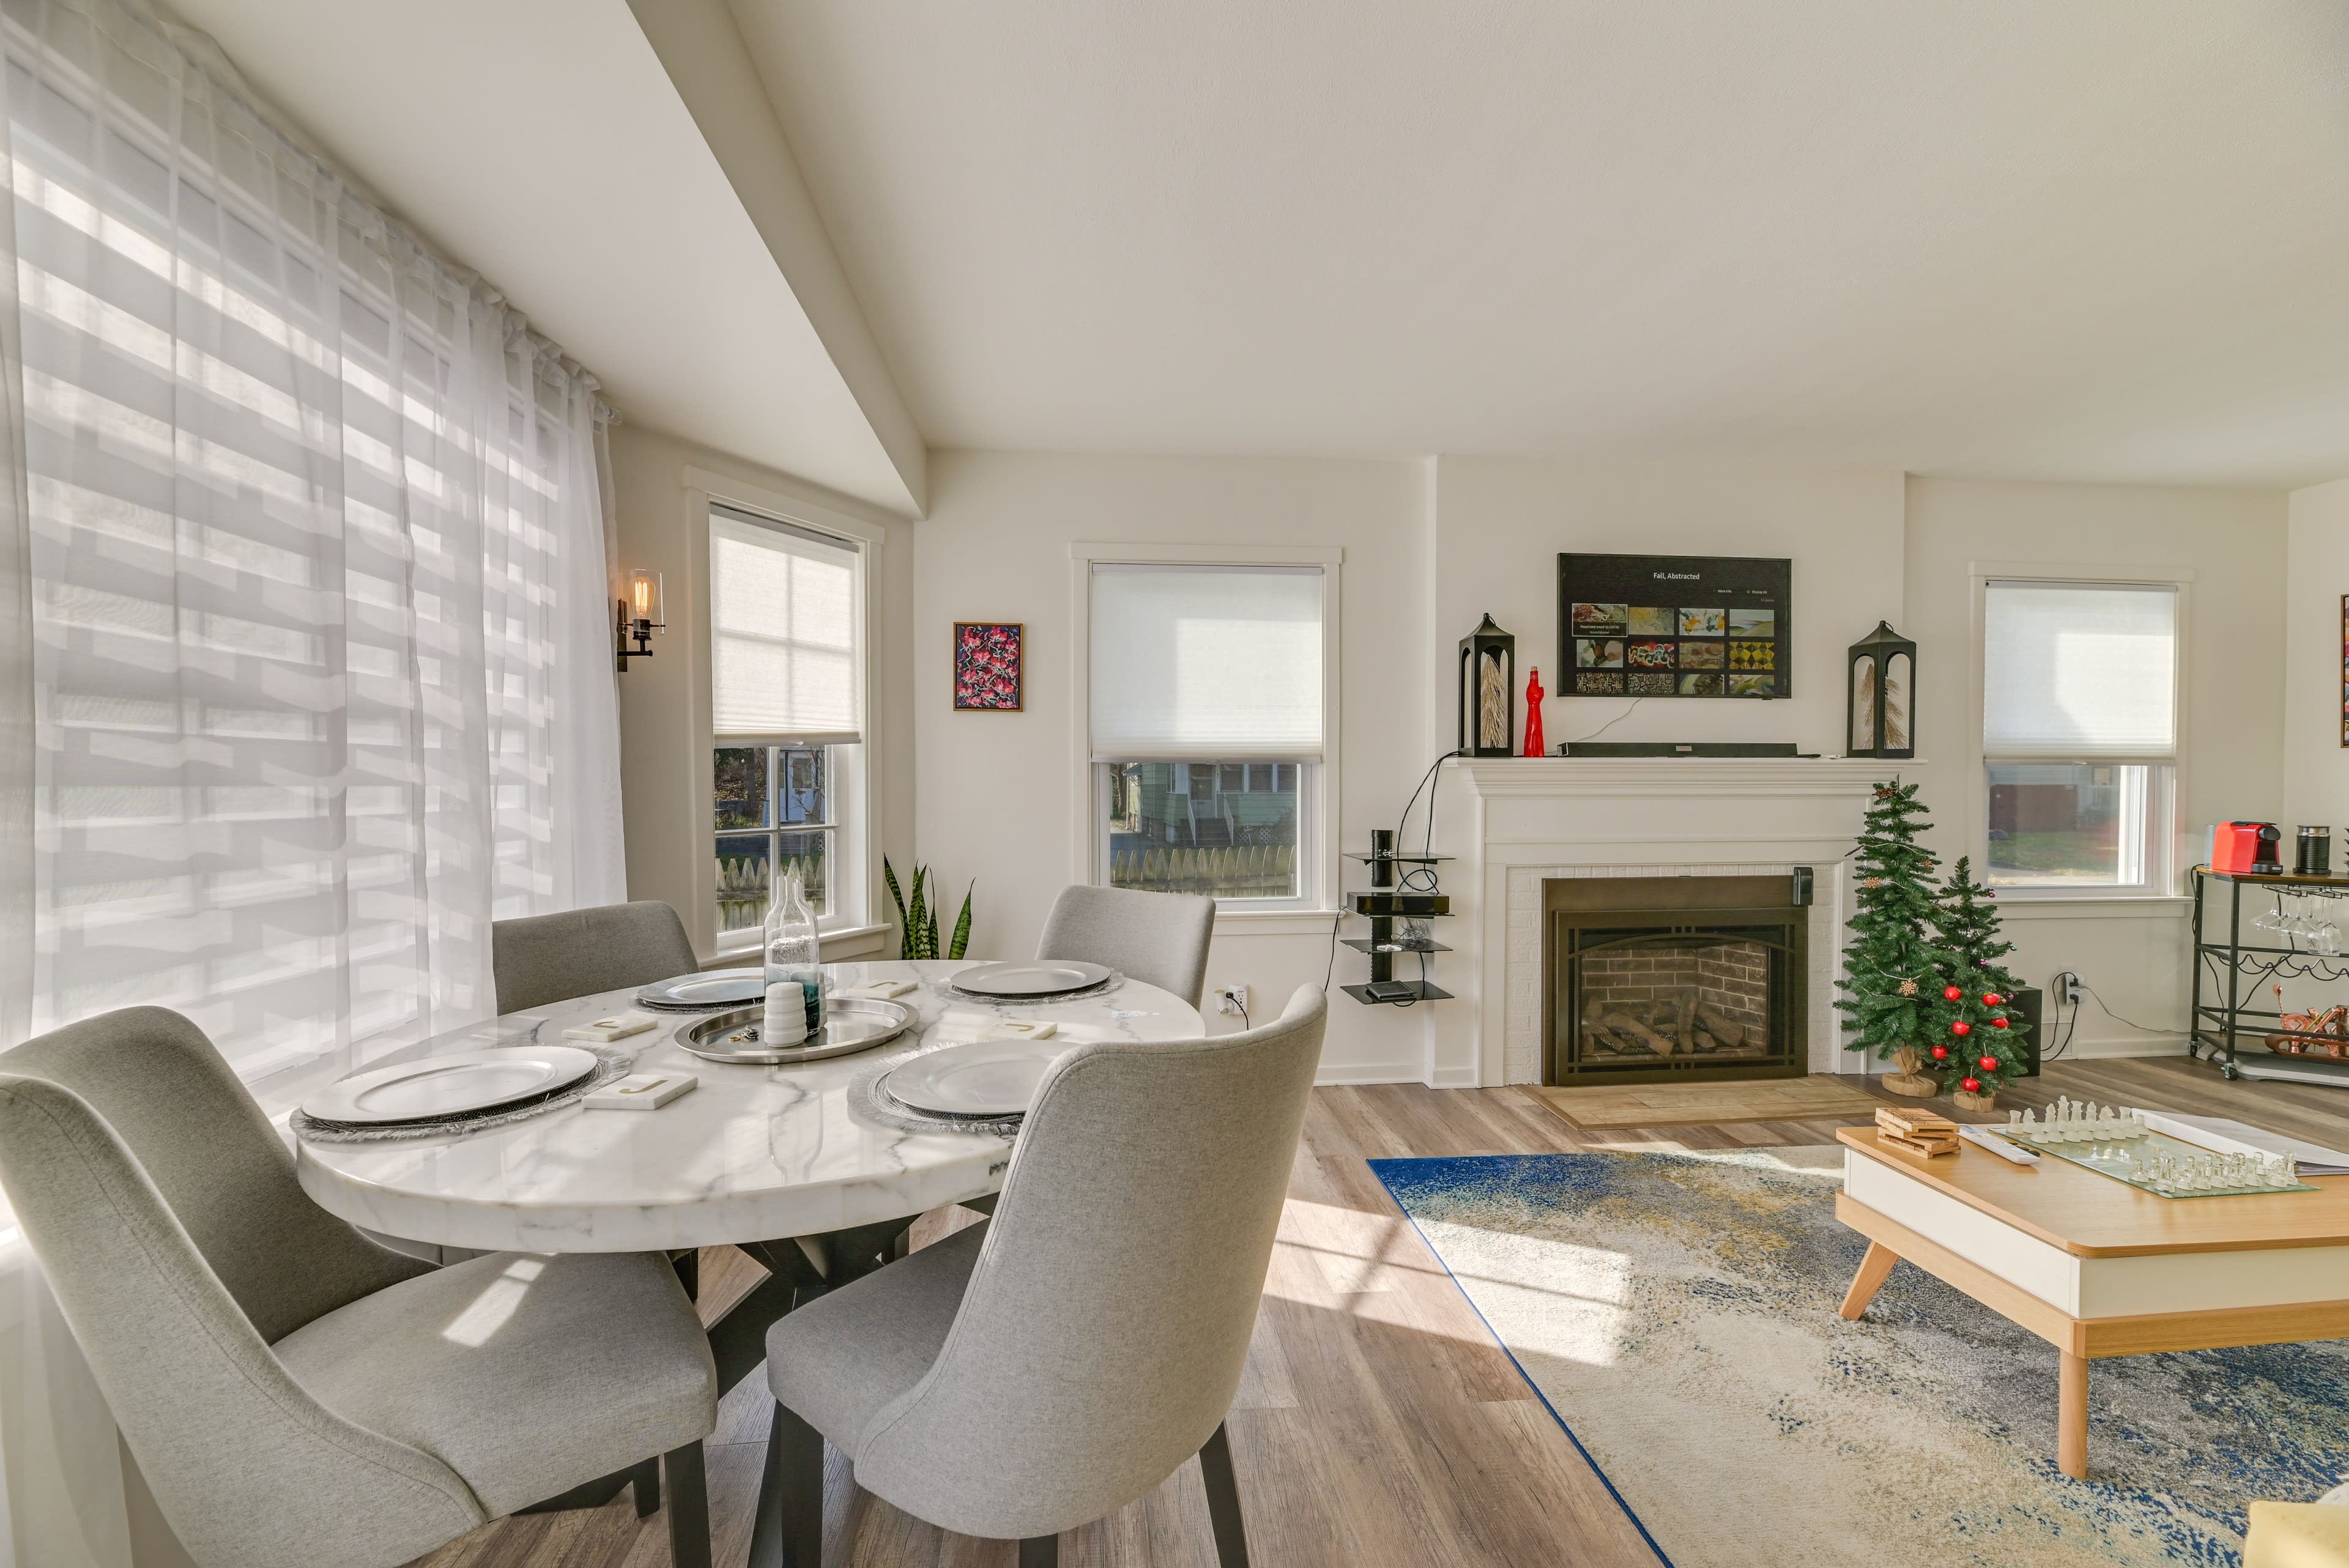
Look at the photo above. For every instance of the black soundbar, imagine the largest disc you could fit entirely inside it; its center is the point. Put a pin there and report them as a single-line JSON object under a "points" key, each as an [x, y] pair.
{"points": [[1680, 749]]}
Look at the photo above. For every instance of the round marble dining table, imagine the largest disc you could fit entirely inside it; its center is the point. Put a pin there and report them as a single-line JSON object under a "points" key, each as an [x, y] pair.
{"points": [[753, 1154]]}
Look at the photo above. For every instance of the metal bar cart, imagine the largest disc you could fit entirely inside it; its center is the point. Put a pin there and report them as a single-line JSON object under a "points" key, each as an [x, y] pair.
{"points": [[2225, 970]]}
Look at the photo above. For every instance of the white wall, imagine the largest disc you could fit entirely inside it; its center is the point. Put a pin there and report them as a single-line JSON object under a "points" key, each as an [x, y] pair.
{"points": [[1430, 546], [665, 772], [2231, 754], [996, 791], [2315, 763], [1501, 523]]}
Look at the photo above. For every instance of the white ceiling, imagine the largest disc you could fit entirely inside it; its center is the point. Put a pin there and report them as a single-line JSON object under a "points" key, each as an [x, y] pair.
{"points": [[542, 144], [2101, 240]]}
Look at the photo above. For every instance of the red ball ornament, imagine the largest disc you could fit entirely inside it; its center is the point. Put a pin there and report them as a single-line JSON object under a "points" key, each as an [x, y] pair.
{"points": [[1941, 1052], [1989, 1064], [1971, 1086], [1961, 1027], [1950, 993], [1992, 999], [1998, 1023]]}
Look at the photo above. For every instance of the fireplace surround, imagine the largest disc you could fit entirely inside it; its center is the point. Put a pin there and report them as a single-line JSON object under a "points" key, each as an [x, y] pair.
{"points": [[1519, 821], [1674, 979]]}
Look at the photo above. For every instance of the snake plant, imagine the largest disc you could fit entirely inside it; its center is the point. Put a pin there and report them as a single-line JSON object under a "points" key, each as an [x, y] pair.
{"points": [[918, 919]]}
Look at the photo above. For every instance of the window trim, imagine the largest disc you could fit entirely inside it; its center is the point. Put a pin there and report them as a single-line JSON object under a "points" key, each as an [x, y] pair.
{"points": [[2167, 851], [851, 930], [1320, 814]]}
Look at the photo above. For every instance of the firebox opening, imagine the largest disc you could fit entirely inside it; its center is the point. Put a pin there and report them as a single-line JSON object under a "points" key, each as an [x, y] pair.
{"points": [[1673, 979]]}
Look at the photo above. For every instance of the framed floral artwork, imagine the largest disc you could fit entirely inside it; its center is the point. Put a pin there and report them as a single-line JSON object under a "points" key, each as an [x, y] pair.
{"points": [[987, 676]]}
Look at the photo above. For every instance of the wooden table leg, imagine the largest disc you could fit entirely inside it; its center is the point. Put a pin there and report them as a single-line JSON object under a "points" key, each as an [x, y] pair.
{"points": [[2072, 1416], [1870, 1278]]}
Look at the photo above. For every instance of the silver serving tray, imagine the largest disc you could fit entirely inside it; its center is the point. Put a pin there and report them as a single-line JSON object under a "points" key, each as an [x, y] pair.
{"points": [[850, 1025]]}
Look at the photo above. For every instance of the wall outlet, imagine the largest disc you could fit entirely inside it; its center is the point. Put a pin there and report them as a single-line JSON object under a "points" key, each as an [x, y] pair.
{"points": [[2068, 989], [1232, 1000]]}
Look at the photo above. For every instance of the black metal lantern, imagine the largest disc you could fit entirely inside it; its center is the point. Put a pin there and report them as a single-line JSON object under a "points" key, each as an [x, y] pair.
{"points": [[1488, 690], [1880, 688]]}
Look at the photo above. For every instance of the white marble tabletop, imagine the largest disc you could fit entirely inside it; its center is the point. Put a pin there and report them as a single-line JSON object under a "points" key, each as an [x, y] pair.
{"points": [[754, 1154]]}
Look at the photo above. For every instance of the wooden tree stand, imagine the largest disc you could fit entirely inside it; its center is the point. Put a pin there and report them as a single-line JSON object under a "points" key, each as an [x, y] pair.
{"points": [[1910, 1081]]}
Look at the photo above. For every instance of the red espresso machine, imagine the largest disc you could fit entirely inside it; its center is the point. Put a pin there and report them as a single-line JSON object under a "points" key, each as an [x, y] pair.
{"points": [[2246, 848]]}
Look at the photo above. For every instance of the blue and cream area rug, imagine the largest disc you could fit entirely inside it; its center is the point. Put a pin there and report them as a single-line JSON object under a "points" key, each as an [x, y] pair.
{"points": [[1678, 1313]]}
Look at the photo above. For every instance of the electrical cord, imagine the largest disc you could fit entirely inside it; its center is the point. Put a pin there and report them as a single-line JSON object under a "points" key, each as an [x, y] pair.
{"points": [[1610, 723], [2107, 1012], [2069, 1026], [1404, 820]]}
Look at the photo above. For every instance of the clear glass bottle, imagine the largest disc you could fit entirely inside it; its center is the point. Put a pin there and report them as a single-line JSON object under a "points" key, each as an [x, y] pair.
{"points": [[794, 969]]}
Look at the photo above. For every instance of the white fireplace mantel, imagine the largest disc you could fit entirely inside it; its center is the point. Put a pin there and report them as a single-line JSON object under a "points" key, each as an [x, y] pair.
{"points": [[1512, 823]]}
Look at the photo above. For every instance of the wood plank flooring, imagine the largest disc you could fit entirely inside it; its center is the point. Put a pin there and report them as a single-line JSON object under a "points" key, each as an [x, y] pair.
{"points": [[1378, 1422]]}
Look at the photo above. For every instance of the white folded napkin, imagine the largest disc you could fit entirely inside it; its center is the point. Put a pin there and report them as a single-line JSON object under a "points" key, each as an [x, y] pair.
{"points": [[880, 990], [619, 1026], [1021, 1029]]}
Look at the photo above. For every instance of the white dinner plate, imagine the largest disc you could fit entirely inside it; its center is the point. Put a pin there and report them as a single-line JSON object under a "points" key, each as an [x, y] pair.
{"points": [[986, 1078], [451, 1085], [710, 988], [1045, 977]]}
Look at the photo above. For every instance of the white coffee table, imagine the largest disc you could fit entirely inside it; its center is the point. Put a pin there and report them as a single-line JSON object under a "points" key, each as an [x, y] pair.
{"points": [[2094, 1266]]}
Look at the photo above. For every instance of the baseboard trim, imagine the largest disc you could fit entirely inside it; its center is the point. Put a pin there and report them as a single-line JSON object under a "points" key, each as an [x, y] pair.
{"points": [[1340, 1074], [2083, 1049]]}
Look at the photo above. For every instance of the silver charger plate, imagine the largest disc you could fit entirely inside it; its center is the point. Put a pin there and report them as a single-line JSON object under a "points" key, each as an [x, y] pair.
{"points": [[451, 1084], [850, 1025], [710, 988], [984, 1078], [1044, 977]]}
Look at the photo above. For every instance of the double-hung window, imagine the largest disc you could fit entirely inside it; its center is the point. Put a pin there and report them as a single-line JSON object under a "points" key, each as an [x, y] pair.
{"points": [[1206, 722], [2079, 734], [786, 659]]}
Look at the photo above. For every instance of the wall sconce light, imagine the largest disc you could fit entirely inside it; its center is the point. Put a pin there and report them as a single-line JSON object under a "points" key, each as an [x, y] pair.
{"points": [[641, 615]]}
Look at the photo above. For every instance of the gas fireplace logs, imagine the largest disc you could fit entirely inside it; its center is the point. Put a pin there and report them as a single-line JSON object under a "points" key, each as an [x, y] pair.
{"points": [[1920, 1132], [1685, 1027]]}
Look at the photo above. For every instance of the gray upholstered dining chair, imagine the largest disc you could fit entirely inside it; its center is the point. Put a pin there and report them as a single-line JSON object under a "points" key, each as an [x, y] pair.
{"points": [[540, 959], [1160, 939], [1033, 1373], [296, 1396]]}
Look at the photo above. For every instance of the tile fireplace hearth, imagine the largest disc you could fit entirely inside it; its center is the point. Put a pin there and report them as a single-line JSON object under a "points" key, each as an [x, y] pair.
{"points": [[1674, 979]]}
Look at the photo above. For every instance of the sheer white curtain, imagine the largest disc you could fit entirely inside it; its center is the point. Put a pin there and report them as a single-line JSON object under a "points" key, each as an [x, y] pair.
{"points": [[302, 599]]}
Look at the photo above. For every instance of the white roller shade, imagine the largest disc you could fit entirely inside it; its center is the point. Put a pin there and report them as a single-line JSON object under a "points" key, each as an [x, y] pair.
{"points": [[783, 634], [1206, 662], [2079, 669]]}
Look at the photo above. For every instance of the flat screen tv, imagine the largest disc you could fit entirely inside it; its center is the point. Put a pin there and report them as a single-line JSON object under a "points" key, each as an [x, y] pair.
{"points": [[1674, 625]]}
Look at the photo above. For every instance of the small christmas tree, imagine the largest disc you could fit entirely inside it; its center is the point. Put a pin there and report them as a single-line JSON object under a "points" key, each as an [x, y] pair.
{"points": [[1972, 1027], [1890, 968]]}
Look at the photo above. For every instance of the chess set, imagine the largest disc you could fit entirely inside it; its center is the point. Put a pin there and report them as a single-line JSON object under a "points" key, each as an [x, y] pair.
{"points": [[2116, 1142]]}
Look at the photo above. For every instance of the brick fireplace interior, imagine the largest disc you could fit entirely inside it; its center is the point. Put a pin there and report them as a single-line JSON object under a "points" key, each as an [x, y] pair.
{"points": [[1674, 979]]}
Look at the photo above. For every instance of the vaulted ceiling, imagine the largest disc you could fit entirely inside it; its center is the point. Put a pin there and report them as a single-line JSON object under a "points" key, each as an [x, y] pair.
{"points": [[2102, 241]]}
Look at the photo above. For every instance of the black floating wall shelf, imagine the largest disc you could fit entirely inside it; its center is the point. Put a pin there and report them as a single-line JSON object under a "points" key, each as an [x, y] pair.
{"points": [[1383, 904]]}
